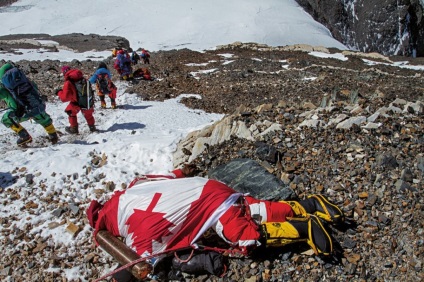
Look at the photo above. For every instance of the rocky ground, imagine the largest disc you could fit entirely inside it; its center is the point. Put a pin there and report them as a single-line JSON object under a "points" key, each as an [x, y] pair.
{"points": [[375, 174]]}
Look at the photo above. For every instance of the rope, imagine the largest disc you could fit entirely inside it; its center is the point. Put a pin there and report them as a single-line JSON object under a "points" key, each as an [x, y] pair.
{"points": [[224, 251], [123, 267], [184, 260]]}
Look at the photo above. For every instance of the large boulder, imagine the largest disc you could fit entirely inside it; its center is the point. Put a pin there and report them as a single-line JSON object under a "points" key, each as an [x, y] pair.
{"points": [[248, 176]]}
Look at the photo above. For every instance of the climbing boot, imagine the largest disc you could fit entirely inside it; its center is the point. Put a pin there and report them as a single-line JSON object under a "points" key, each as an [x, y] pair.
{"points": [[278, 234], [51, 131], [53, 137], [113, 105], [92, 128], [298, 209], [24, 137], [317, 236], [309, 230], [323, 208], [72, 129], [103, 104]]}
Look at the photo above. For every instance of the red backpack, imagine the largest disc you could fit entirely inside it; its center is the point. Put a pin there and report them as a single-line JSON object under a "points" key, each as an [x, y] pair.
{"points": [[142, 73]]}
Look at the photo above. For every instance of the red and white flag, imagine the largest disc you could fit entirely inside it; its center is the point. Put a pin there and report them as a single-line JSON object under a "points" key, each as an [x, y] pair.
{"points": [[159, 216]]}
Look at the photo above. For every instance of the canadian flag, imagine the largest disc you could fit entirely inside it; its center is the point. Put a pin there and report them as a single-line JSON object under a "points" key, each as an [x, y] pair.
{"points": [[160, 216]]}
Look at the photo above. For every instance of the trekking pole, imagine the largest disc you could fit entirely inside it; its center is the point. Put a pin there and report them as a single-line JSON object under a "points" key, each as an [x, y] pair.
{"points": [[4, 110], [88, 93]]}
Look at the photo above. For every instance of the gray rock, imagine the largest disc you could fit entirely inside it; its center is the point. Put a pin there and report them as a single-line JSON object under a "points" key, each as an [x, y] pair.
{"points": [[74, 209], [387, 161], [407, 175], [420, 163], [29, 178], [58, 212], [267, 153]]}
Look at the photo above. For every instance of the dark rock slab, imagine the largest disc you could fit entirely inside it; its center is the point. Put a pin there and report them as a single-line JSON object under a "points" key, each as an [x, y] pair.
{"points": [[248, 176]]}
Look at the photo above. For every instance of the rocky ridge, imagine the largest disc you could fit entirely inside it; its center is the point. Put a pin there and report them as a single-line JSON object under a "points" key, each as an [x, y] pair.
{"points": [[391, 27], [288, 110]]}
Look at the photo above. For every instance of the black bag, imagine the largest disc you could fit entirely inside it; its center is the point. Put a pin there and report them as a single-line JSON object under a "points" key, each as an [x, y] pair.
{"points": [[85, 94], [16, 81], [200, 263]]}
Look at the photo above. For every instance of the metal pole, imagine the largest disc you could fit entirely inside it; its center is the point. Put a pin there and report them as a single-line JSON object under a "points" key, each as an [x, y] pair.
{"points": [[123, 254]]}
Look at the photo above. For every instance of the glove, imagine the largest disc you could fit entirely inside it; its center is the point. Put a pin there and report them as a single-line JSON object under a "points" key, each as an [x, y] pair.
{"points": [[56, 92], [18, 113]]}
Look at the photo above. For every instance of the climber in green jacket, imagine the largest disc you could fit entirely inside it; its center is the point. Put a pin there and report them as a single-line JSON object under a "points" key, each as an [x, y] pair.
{"points": [[24, 102]]}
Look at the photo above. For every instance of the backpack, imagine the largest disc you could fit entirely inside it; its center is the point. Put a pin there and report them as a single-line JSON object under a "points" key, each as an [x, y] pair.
{"points": [[17, 83], [25, 93], [103, 83], [84, 93]]}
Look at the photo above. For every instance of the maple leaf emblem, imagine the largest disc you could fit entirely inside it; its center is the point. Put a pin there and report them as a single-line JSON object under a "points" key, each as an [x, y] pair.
{"points": [[147, 226]]}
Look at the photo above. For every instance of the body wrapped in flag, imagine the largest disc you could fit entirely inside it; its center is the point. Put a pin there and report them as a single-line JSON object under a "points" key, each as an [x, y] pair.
{"points": [[161, 214]]}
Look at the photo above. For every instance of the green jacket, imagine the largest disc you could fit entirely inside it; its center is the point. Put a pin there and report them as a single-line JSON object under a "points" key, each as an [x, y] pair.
{"points": [[8, 99], [4, 69], [5, 95]]}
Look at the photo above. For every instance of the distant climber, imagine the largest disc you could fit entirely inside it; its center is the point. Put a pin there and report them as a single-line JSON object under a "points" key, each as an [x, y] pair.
{"points": [[123, 66], [102, 78], [145, 56]]}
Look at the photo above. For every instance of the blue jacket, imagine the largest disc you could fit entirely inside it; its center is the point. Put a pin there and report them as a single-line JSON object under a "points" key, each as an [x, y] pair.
{"points": [[93, 78]]}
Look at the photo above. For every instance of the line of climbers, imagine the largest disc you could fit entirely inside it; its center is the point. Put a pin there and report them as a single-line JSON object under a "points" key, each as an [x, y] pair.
{"points": [[125, 60], [25, 101]]}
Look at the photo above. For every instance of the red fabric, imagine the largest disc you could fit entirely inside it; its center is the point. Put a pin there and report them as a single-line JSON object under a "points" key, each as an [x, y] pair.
{"points": [[275, 211], [73, 110], [178, 173], [116, 66], [92, 212], [145, 53], [69, 94], [162, 216], [65, 69], [108, 215], [239, 228], [112, 93]]}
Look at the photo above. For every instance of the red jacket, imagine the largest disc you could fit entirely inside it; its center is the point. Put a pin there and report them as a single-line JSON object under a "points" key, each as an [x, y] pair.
{"points": [[238, 229], [267, 211], [69, 92]]}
